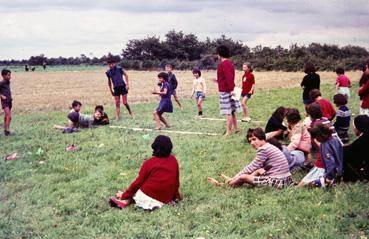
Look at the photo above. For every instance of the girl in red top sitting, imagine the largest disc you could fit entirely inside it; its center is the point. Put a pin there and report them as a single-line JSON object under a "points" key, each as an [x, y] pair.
{"points": [[157, 182], [248, 84]]}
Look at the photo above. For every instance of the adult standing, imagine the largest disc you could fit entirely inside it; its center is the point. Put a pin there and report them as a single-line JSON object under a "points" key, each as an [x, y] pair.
{"points": [[225, 79], [310, 81]]}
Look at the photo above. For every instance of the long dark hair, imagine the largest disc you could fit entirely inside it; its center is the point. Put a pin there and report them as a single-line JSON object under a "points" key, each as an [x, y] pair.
{"points": [[162, 146]]}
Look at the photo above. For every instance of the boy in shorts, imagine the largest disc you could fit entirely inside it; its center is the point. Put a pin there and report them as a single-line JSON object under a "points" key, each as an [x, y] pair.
{"points": [[120, 86], [6, 99]]}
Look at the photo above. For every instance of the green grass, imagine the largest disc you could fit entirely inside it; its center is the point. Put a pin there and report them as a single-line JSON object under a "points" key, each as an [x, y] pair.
{"points": [[59, 194]]}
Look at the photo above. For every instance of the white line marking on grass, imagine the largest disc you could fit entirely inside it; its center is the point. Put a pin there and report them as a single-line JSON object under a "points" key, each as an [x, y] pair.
{"points": [[219, 119], [165, 131]]}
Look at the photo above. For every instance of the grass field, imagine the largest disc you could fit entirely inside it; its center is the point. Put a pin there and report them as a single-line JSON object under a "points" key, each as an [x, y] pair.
{"points": [[51, 193]]}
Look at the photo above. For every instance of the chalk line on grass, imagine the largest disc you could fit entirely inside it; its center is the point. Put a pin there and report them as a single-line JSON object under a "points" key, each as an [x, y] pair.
{"points": [[219, 119], [165, 131]]}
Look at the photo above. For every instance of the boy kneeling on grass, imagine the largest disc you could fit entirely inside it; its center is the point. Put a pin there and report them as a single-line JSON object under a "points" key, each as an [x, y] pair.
{"points": [[157, 182], [269, 168]]}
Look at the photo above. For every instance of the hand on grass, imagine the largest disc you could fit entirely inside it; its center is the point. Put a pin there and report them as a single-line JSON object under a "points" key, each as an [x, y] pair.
{"points": [[119, 194]]}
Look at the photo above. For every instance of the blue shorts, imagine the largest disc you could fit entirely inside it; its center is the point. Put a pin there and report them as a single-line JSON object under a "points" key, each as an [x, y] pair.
{"points": [[199, 94], [247, 95], [307, 101]]}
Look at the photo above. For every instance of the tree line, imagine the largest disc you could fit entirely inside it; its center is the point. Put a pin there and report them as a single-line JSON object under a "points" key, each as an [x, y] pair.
{"points": [[186, 51]]}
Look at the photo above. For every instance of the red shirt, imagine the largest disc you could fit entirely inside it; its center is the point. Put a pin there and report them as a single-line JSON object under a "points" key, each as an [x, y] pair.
{"points": [[158, 178], [248, 80], [226, 75], [343, 81], [327, 109], [364, 95]]}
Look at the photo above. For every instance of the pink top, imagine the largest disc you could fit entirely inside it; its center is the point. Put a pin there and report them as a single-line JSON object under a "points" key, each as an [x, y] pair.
{"points": [[343, 81], [300, 138]]}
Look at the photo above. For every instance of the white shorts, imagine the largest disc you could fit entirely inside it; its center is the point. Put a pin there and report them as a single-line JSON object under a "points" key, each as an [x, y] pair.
{"points": [[314, 174], [364, 111], [344, 91], [146, 202]]}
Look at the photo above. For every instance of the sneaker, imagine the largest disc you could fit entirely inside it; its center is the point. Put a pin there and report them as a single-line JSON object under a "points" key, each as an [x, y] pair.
{"points": [[6, 133], [246, 119], [71, 148]]}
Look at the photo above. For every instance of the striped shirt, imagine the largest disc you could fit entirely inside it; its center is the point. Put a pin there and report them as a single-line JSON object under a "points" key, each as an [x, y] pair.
{"points": [[271, 159]]}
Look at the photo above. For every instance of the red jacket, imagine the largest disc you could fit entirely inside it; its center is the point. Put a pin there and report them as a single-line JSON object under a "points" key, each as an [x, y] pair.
{"points": [[248, 80], [364, 95], [226, 74], [327, 108], [158, 178]]}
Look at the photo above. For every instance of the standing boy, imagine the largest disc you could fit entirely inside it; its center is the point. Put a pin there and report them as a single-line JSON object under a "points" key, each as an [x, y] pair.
{"points": [[6, 99], [120, 85], [172, 80], [225, 79]]}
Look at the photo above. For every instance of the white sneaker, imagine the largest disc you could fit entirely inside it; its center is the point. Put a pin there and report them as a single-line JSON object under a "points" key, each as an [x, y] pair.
{"points": [[246, 119]]}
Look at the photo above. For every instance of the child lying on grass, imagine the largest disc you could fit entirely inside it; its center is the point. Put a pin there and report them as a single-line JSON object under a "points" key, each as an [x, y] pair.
{"points": [[269, 168], [157, 182]]}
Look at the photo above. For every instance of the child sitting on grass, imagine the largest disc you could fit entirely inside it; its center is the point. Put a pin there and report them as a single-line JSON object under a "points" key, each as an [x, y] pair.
{"points": [[104, 120], [165, 104], [326, 106], [269, 167], [157, 182], [342, 123], [331, 153], [275, 127]]}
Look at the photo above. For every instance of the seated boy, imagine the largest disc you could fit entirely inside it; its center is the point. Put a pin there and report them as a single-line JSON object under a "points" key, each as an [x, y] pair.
{"points": [[104, 120], [269, 167]]}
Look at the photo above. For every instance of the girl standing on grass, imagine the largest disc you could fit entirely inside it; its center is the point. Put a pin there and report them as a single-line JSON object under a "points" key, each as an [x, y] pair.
{"points": [[198, 90], [165, 104], [310, 81], [157, 182], [248, 84]]}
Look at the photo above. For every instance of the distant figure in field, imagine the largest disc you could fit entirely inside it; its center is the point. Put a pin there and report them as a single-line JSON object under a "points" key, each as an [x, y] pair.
{"points": [[274, 126], [364, 91], [198, 89], [6, 99], [355, 155], [165, 104], [269, 167], [119, 79], [326, 106], [44, 65], [173, 83], [26, 68], [343, 83], [342, 123], [157, 183], [226, 85], [33, 69], [310, 81], [248, 86]]}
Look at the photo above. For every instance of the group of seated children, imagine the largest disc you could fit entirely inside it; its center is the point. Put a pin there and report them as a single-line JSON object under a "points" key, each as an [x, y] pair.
{"points": [[76, 120]]}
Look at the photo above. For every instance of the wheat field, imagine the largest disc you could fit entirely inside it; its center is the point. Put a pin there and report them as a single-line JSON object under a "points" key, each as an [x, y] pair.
{"points": [[56, 90]]}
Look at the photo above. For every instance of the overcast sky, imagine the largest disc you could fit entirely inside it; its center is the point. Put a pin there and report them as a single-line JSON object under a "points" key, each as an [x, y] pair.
{"points": [[73, 27]]}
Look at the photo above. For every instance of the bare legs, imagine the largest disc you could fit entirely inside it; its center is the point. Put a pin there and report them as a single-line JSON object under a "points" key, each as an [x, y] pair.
{"points": [[232, 124], [158, 117], [246, 115], [7, 119], [177, 100], [125, 103]]}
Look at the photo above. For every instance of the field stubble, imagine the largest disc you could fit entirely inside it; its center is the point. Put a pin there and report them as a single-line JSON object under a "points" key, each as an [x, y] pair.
{"points": [[56, 90]]}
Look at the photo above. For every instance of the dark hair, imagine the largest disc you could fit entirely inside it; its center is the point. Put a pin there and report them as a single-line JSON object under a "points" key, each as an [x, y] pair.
{"points": [[314, 93], [163, 75], [223, 51], [361, 123], [169, 65], [293, 115], [4, 72], [321, 131], [280, 113], [257, 132], [196, 70], [314, 111], [340, 71], [99, 107], [340, 99], [162, 146], [112, 59], [76, 103], [275, 142], [309, 68]]}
